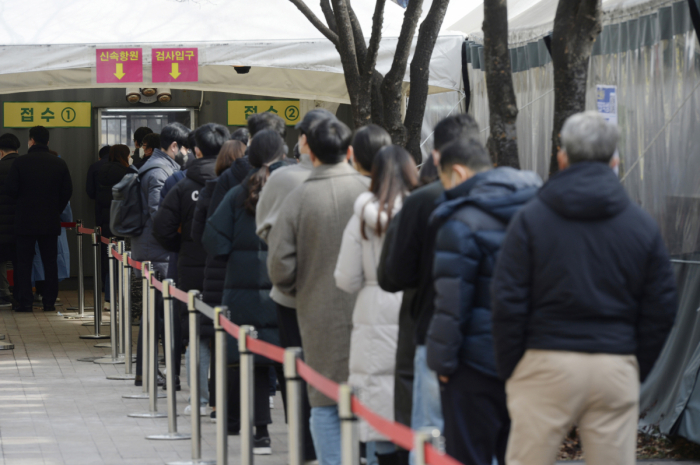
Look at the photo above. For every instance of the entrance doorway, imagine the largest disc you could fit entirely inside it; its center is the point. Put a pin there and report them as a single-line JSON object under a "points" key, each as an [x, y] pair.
{"points": [[117, 125]]}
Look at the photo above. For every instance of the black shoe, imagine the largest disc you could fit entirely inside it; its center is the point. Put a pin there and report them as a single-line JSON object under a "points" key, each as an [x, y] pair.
{"points": [[24, 310], [177, 384], [5, 302], [261, 446], [49, 309], [138, 380]]}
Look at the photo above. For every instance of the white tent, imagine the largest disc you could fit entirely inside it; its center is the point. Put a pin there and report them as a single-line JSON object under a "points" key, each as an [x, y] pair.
{"points": [[50, 44]]}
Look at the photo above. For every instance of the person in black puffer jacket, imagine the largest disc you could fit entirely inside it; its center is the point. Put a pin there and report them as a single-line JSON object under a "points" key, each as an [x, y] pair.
{"points": [[9, 144], [173, 225], [230, 232]]}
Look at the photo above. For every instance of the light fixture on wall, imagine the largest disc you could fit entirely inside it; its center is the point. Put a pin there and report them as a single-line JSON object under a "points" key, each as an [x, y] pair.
{"points": [[164, 95], [149, 91], [133, 95]]}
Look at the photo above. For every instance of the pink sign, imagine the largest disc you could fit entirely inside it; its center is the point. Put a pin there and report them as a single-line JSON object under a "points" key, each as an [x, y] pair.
{"points": [[119, 65], [175, 65]]}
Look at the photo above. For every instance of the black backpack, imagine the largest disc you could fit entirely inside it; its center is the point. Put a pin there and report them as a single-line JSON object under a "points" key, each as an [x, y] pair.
{"points": [[126, 218]]}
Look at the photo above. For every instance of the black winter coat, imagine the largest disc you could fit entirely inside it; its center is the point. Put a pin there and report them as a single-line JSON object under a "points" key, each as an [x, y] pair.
{"points": [[582, 269], [42, 186], [215, 269], [92, 187], [173, 224], [108, 175], [409, 260], [473, 220], [7, 203], [230, 232]]}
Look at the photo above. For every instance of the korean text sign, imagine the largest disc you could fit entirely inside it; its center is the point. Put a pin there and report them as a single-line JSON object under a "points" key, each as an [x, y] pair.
{"points": [[48, 114], [119, 65], [240, 110], [175, 65]]}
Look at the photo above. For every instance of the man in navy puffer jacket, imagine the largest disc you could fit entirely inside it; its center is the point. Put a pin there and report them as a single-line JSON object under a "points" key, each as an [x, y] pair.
{"points": [[478, 204]]}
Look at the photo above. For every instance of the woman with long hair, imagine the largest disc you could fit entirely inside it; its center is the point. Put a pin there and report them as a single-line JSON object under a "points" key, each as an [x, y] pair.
{"points": [[375, 318], [230, 233]]}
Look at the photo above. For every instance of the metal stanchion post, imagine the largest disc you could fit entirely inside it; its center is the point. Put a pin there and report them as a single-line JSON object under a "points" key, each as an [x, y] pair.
{"points": [[247, 395], [221, 388], [125, 305], [96, 292], [349, 440], [195, 368], [150, 355], [81, 284], [114, 359], [169, 345], [295, 420], [424, 436], [145, 336], [120, 301]]}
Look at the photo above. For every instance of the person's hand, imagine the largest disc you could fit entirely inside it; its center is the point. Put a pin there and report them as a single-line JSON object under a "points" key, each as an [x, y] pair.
{"points": [[444, 379]]}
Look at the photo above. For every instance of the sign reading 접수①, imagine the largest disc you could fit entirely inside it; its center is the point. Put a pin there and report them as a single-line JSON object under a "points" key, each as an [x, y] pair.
{"points": [[240, 110], [48, 114]]}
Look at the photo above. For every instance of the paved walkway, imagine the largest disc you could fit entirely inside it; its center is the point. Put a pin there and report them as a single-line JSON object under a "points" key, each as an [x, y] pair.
{"points": [[57, 410]]}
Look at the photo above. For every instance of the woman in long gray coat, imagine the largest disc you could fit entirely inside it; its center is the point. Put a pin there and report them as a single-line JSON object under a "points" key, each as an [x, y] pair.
{"points": [[375, 318]]}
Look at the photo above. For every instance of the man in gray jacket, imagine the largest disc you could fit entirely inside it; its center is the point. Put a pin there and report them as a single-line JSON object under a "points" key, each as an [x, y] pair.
{"points": [[281, 182], [303, 249], [153, 173]]}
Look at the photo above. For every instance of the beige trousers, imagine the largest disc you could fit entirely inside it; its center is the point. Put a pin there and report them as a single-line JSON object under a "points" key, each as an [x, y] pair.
{"points": [[550, 391]]}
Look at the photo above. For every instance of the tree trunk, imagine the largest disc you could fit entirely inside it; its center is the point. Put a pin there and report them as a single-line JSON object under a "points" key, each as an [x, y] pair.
{"points": [[503, 109], [576, 26], [420, 73]]}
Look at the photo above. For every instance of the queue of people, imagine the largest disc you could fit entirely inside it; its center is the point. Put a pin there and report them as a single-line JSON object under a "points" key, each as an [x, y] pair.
{"points": [[461, 296]]}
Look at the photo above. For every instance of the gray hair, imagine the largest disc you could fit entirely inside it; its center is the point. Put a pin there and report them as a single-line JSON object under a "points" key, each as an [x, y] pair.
{"points": [[588, 137]]}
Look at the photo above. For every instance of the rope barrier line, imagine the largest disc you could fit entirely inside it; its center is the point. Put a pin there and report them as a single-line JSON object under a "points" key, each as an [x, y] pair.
{"points": [[68, 225], [105, 240], [399, 434]]}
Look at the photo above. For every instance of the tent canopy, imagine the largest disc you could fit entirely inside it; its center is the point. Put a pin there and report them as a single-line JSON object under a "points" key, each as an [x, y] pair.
{"points": [[288, 56]]}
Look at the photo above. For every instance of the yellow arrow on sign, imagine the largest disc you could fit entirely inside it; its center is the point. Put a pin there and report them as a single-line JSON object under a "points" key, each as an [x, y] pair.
{"points": [[175, 73], [120, 71]]}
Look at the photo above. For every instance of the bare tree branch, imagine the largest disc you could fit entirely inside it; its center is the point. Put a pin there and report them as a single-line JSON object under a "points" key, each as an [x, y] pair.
{"points": [[503, 109], [313, 19], [393, 81], [376, 37], [328, 13], [359, 37], [576, 26], [420, 74]]}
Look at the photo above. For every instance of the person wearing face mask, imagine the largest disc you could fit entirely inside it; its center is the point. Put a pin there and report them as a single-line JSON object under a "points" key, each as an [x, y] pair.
{"points": [[139, 149], [153, 173], [470, 223], [149, 142], [583, 298]]}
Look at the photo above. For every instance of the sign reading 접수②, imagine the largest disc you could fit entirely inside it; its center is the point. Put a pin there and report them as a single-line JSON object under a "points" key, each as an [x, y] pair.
{"points": [[240, 110], [47, 114]]}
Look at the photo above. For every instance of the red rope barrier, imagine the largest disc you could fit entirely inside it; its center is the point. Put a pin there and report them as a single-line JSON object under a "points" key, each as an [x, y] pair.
{"points": [[68, 225], [324, 385], [157, 284], [266, 349], [178, 294], [117, 256], [397, 433], [135, 264], [82, 230], [105, 240], [229, 327]]}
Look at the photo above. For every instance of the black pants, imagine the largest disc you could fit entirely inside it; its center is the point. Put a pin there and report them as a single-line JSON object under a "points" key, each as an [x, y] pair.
{"points": [[104, 267], [476, 417], [159, 335], [290, 336], [48, 248], [261, 407]]}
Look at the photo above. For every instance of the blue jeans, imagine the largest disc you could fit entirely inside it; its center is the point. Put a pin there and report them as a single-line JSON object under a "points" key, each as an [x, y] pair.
{"points": [[427, 409], [204, 362], [325, 430]]}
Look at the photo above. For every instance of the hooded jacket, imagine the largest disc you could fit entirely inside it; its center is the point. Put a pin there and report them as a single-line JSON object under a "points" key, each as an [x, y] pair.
{"points": [[215, 267], [375, 318], [473, 220], [173, 223], [109, 174], [230, 234], [146, 247], [582, 269]]}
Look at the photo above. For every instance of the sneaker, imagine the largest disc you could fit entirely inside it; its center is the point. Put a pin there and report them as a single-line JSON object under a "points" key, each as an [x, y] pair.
{"points": [[261, 446], [272, 402], [38, 298], [212, 415], [105, 307], [5, 302], [202, 410]]}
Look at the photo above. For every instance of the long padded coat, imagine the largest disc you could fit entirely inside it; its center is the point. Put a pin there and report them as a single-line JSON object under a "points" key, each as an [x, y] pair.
{"points": [[230, 232], [375, 318]]}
